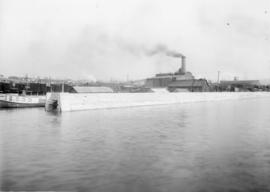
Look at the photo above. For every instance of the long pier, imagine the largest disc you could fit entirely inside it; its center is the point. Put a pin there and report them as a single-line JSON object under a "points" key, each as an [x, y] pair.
{"points": [[75, 101]]}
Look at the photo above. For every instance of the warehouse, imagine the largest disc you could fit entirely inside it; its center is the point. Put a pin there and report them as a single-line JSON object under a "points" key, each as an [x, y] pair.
{"points": [[191, 85], [240, 85]]}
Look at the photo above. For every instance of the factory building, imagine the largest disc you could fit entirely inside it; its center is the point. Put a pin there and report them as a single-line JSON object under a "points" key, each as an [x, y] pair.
{"points": [[164, 79]]}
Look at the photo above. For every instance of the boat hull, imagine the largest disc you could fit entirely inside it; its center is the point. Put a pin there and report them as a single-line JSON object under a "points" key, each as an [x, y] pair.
{"points": [[16, 101], [8, 104]]}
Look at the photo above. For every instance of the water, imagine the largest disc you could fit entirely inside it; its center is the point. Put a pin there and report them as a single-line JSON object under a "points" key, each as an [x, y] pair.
{"points": [[210, 146]]}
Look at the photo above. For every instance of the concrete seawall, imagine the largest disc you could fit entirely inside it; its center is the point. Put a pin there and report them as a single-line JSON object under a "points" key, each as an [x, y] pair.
{"points": [[74, 102]]}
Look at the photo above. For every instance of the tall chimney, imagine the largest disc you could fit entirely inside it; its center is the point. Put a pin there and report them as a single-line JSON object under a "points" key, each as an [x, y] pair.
{"points": [[183, 68]]}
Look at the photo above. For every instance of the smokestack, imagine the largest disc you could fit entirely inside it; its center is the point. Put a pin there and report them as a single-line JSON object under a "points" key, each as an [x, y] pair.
{"points": [[183, 67]]}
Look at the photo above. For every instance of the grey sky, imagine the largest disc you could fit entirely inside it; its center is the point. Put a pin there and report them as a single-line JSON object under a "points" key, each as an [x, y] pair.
{"points": [[107, 39]]}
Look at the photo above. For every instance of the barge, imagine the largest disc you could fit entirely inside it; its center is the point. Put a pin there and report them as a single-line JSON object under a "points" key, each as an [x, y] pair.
{"points": [[18, 101]]}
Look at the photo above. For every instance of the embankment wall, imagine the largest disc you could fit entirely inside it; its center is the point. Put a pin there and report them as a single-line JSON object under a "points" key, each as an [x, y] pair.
{"points": [[74, 102]]}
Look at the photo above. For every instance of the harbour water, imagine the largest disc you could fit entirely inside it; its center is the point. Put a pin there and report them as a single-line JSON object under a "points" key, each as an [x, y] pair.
{"points": [[208, 146]]}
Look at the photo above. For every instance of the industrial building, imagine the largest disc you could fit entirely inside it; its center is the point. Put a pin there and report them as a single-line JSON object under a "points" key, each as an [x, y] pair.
{"points": [[164, 79], [180, 81]]}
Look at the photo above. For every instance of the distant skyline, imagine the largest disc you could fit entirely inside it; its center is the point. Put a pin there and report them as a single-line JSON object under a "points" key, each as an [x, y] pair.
{"points": [[103, 40]]}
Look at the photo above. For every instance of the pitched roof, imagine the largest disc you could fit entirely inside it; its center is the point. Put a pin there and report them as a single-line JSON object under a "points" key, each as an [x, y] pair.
{"points": [[81, 89]]}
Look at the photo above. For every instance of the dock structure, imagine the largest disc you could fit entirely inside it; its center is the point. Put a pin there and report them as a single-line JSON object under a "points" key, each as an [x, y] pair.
{"points": [[74, 102]]}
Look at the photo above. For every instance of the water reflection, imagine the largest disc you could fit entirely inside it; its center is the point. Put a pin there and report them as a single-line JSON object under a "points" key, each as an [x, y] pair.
{"points": [[218, 146]]}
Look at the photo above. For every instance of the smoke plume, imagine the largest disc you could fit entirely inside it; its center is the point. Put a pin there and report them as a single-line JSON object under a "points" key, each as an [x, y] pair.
{"points": [[163, 49]]}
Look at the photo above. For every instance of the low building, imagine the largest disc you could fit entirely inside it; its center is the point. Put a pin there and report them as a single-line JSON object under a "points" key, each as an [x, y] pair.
{"points": [[191, 85], [240, 85], [158, 82], [134, 89], [82, 89]]}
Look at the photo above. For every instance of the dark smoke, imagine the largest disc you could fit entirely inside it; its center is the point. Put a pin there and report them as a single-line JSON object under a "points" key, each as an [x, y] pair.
{"points": [[163, 49]]}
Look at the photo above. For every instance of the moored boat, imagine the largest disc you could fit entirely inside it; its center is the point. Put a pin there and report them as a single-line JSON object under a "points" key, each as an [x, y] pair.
{"points": [[18, 101]]}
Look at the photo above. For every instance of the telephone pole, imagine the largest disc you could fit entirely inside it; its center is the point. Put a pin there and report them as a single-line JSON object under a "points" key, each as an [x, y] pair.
{"points": [[218, 76]]}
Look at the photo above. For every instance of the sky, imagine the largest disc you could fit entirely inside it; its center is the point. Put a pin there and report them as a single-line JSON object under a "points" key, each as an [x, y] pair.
{"points": [[110, 39]]}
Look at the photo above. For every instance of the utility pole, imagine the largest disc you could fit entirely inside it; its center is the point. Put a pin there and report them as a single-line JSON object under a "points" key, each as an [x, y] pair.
{"points": [[218, 76], [51, 84], [63, 86]]}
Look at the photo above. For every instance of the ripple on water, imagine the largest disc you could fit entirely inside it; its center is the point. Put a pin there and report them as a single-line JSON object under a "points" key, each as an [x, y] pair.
{"points": [[211, 146]]}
